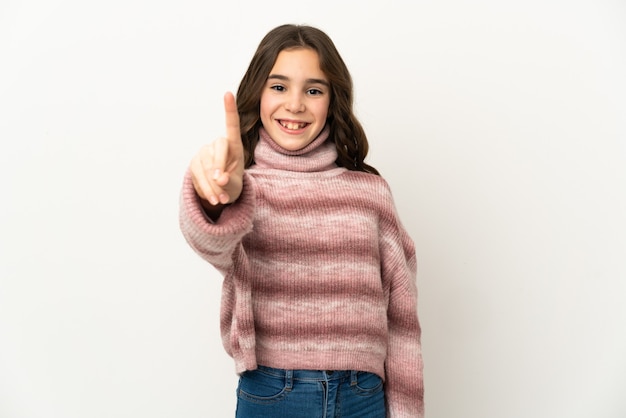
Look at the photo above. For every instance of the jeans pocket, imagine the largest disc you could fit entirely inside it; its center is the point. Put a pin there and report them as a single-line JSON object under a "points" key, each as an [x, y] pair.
{"points": [[367, 384], [261, 388]]}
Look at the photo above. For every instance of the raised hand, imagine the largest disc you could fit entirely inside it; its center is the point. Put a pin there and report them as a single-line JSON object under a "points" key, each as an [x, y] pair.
{"points": [[217, 169]]}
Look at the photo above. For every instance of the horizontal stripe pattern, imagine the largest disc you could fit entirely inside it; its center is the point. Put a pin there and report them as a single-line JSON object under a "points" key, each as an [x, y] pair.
{"points": [[318, 272]]}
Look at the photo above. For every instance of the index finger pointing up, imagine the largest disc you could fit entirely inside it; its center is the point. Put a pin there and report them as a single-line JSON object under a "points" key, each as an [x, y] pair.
{"points": [[232, 118]]}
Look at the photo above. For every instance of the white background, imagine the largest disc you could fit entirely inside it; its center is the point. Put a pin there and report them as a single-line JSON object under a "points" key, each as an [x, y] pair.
{"points": [[500, 126]]}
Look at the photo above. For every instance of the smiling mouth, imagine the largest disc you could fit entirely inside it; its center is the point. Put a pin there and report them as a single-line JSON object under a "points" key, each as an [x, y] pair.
{"points": [[293, 126]]}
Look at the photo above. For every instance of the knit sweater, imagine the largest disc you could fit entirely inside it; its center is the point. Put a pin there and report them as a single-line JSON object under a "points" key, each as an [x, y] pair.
{"points": [[319, 272]]}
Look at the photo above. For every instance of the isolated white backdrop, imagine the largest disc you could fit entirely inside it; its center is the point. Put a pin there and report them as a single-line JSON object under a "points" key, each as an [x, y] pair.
{"points": [[500, 126]]}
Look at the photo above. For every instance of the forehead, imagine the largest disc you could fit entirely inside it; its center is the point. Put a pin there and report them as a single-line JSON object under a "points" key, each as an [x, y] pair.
{"points": [[298, 61]]}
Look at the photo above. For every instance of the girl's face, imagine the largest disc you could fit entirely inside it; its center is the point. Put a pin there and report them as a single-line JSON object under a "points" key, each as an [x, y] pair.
{"points": [[295, 99]]}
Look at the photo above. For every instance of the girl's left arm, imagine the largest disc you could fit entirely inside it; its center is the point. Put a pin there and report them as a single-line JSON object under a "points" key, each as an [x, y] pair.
{"points": [[404, 385]]}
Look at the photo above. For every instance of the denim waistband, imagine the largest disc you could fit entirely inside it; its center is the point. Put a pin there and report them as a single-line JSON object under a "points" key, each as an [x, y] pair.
{"points": [[309, 374]]}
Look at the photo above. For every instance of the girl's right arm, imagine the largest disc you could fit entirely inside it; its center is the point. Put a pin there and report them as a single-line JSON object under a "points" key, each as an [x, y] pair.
{"points": [[215, 180], [216, 241]]}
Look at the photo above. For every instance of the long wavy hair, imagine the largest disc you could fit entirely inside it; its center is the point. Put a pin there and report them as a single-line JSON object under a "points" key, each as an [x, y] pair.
{"points": [[345, 129]]}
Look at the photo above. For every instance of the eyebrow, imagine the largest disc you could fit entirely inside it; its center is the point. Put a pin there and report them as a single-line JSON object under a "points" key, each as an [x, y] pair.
{"points": [[308, 80]]}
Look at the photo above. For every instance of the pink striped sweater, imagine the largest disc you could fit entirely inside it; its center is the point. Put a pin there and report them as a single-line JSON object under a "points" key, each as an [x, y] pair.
{"points": [[319, 272]]}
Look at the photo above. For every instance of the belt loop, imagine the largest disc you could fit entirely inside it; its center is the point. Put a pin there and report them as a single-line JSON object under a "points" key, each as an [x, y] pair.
{"points": [[353, 380], [288, 379]]}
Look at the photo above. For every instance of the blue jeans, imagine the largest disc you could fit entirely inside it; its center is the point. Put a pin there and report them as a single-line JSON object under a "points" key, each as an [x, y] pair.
{"points": [[277, 393]]}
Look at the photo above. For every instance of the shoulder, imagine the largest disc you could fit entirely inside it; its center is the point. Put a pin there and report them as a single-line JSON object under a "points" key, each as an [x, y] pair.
{"points": [[374, 179], [370, 191], [371, 182]]}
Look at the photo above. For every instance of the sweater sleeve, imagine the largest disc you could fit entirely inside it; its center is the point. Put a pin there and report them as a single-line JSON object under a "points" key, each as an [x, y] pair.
{"points": [[404, 384], [216, 242]]}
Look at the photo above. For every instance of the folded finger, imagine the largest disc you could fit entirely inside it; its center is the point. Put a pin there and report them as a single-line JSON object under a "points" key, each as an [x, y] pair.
{"points": [[202, 170]]}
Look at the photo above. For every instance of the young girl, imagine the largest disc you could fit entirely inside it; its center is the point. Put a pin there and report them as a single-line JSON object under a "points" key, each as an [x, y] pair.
{"points": [[319, 307]]}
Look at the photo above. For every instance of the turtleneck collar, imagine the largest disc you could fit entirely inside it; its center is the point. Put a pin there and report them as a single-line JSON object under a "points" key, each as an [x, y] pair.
{"points": [[319, 155]]}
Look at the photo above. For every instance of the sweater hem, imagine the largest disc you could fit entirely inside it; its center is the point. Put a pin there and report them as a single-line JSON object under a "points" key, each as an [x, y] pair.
{"points": [[328, 360]]}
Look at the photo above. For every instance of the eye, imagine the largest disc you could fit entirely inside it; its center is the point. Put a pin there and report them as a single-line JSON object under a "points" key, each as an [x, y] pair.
{"points": [[314, 92], [278, 87]]}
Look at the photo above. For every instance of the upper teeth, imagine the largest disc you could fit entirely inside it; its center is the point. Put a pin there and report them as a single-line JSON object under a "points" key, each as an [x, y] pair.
{"points": [[293, 125]]}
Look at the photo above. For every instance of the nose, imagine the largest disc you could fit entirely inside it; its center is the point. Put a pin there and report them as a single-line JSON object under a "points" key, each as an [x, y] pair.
{"points": [[295, 103]]}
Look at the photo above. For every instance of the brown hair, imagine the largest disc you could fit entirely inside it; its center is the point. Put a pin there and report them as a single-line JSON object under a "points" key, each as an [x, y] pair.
{"points": [[345, 129]]}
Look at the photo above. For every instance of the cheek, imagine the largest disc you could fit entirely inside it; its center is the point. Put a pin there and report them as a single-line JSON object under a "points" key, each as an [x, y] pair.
{"points": [[265, 110], [321, 111]]}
